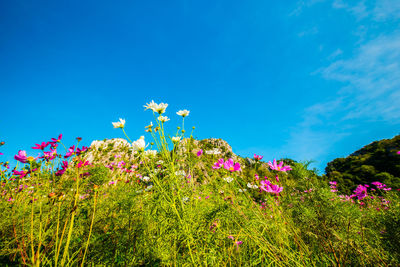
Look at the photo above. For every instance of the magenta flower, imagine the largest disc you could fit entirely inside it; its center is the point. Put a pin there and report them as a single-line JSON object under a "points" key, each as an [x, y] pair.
{"points": [[231, 166], [258, 157], [121, 164], [1, 153], [54, 140], [279, 167], [218, 164], [82, 164], [21, 156], [70, 152], [267, 186], [41, 146], [398, 152], [360, 192], [80, 151], [64, 167], [21, 174], [50, 155], [200, 152]]}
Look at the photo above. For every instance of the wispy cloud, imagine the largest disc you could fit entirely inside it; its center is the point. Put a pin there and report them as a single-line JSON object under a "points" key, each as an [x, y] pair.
{"points": [[379, 10], [370, 79], [311, 31]]}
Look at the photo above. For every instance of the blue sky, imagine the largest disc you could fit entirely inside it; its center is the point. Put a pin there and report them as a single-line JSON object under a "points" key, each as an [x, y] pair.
{"points": [[310, 80]]}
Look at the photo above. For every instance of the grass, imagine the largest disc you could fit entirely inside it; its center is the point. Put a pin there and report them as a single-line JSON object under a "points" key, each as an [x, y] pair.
{"points": [[129, 206]]}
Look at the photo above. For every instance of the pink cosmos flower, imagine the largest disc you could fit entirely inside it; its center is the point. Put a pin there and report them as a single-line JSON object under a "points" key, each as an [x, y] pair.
{"points": [[258, 157], [200, 152], [398, 152], [82, 164], [1, 153], [50, 155], [218, 164], [121, 164], [279, 167], [21, 174], [80, 151], [70, 152], [360, 192], [64, 167], [267, 186], [54, 140], [21, 156], [231, 166], [41, 146]]}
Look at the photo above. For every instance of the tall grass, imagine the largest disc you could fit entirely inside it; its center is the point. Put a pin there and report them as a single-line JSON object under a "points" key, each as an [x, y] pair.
{"points": [[133, 207]]}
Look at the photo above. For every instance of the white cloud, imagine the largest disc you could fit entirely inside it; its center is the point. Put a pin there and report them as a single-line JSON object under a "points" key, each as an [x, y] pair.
{"points": [[378, 10], [372, 78]]}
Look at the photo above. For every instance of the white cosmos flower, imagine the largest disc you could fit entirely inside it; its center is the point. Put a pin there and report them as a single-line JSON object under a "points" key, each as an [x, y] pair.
{"points": [[119, 124], [176, 139], [184, 113], [159, 108], [151, 106], [139, 144], [163, 119]]}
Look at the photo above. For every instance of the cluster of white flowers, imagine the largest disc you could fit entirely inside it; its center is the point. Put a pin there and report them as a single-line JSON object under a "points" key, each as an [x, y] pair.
{"points": [[228, 179], [214, 151], [180, 173], [117, 143], [252, 186], [139, 144], [119, 124], [242, 190], [185, 199], [150, 153], [159, 108]]}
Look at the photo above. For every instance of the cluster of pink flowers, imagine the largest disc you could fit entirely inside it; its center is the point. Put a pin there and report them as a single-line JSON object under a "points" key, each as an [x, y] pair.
{"points": [[333, 186], [267, 186], [121, 166], [279, 167], [229, 165], [381, 186]]}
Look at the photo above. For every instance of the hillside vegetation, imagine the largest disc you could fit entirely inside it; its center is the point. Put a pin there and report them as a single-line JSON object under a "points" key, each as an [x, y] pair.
{"points": [[378, 161]]}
